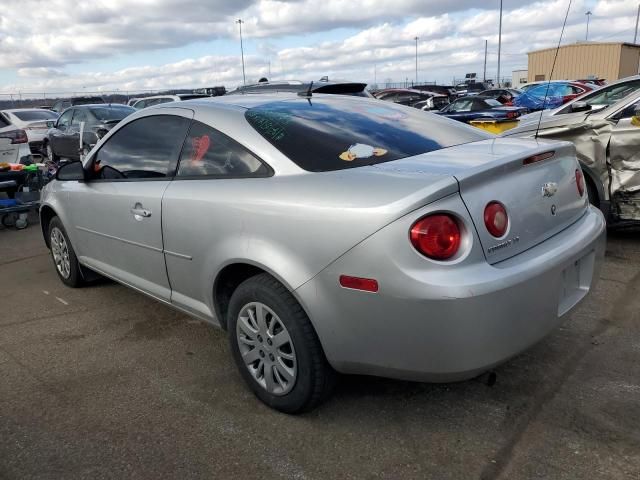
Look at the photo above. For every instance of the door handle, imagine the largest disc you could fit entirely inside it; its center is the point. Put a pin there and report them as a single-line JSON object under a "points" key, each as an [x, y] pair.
{"points": [[141, 212]]}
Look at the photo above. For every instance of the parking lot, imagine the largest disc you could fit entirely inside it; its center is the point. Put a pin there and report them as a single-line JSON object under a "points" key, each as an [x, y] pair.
{"points": [[102, 382]]}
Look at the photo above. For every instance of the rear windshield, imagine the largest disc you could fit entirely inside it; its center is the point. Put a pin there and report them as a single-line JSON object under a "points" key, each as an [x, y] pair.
{"points": [[334, 134], [34, 115], [87, 100], [193, 97], [112, 113]]}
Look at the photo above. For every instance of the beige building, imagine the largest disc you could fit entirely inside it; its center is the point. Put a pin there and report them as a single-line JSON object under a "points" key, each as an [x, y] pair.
{"points": [[608, 60]]}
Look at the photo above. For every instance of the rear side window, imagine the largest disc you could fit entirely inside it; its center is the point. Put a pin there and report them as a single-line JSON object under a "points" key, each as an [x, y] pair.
{"points": [[143, 149], [337, 133], [207, 152]]}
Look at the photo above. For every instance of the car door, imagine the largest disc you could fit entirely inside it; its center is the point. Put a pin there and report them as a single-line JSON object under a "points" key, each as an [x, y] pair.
{"points": [[624, 163], [197, 219], [117, 213], [58, 135]]}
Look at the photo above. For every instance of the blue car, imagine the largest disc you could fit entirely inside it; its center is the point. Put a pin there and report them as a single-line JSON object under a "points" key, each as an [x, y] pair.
{"points": [[546, 96], [466, 109]]}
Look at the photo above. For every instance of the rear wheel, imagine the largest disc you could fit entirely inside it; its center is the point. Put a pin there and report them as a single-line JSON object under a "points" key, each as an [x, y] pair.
{"points": [[276, 348], [63, 255]]}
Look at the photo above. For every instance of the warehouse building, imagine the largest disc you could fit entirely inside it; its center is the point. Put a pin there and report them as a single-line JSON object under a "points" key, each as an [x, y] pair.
{"points": [[608, 60]]}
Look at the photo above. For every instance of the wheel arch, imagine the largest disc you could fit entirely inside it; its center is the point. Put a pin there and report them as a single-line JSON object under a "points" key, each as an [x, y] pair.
{"points": [[46, 214], [231, 275]]}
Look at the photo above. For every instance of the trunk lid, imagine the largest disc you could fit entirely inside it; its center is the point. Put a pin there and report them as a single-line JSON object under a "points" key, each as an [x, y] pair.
{"points": [[493, 170], [541, 198]]}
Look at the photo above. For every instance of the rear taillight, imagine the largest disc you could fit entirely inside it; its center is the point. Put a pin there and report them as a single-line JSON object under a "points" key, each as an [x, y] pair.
{"points": [[496, 219], [16, 136], [436, 236], [509, 103], [580, 182], [512, 114]]}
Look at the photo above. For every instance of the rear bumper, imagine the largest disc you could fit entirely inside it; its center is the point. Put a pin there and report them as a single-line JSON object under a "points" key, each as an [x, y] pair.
{"points": [[460, 324]]}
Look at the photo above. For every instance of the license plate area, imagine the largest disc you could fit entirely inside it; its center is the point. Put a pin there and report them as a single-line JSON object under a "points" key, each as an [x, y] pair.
{"points": [[575, 282]]}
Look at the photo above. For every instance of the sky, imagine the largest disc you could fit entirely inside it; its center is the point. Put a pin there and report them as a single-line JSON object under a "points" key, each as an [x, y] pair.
{"points": [[57, 46]]}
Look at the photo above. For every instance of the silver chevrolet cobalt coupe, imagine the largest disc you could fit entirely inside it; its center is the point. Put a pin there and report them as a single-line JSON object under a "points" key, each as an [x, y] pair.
{"points": [[328, 233]]}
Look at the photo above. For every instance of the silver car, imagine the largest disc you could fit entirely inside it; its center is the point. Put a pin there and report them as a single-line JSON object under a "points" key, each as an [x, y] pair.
{"points": [[330, 233]]}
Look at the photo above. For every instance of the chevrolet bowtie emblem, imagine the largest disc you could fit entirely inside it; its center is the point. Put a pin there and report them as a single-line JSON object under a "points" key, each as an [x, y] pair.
{"points": [[549, 189]]}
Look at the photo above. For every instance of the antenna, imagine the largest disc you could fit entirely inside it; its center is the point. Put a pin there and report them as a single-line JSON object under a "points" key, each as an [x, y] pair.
{"points": [[553, 67]]}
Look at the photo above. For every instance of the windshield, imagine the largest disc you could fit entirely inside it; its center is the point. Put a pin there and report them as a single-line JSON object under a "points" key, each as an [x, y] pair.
{"points": [[611, 94], [335, 134], [35, 115], [112, 113]]}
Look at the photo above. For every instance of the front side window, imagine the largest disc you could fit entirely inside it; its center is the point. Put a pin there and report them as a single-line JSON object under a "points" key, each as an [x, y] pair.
{"points": [[209, 152], [145, 148], [65, 119], [79, 116]]}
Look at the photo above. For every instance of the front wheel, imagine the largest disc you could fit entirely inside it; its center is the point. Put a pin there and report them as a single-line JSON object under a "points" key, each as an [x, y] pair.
{"points": [[276, 348], [63, 255], [50, 153]]}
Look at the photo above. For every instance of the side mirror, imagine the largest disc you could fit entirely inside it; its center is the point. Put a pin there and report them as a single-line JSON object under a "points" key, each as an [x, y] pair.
{"points": [[51, 124], [580, 107], [73, 171]]}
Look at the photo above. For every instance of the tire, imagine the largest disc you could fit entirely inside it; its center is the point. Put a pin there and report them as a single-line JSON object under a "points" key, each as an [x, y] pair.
{"points": [[313, 377], [69, 273], [49, 153]]}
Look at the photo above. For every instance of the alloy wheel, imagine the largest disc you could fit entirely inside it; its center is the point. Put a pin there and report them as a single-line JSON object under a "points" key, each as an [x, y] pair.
{"points": [[266, 348], [60, 252]]}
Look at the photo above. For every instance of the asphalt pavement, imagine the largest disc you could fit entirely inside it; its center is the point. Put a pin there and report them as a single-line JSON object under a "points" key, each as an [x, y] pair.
{"points": [[102, 382]]}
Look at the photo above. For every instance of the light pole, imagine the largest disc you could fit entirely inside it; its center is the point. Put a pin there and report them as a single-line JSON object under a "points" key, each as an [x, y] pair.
{"points": [[240, 22], [484, 72], [416, 39], [499, 42], [588, 14], [635, 35]]}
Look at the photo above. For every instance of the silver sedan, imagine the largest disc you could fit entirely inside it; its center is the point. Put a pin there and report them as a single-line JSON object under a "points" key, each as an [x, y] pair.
{"points": [[330, 233]]}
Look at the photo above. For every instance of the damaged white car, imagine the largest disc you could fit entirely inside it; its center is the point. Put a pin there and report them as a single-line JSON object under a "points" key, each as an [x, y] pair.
{"points": [[607, 141]]}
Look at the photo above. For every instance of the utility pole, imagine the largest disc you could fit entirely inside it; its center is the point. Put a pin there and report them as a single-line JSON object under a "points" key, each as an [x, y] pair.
{"points": [[484, 73], [240, 22], [635, 36], [269, 69], [416, 39], [375, 74], [588, 14], [499, 43]]}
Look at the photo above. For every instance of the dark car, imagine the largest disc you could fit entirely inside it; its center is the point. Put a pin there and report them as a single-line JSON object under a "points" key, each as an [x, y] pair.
{"points": [[63, 138], [63, 104], [413, 98], [473, 108], [504, 95], [320, 86]]}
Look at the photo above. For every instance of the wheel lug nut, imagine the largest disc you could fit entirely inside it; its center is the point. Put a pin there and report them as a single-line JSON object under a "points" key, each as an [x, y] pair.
{"points": [[260, 338], [269, 342], [261, 353], [271, 357]]}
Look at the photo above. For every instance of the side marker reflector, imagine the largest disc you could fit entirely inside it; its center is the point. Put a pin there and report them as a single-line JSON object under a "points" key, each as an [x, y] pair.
{"points": [[357, 283]]}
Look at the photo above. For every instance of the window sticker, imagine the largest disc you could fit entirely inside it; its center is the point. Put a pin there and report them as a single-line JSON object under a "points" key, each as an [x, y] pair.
{"points": [[199, 147], [361, 150]]}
